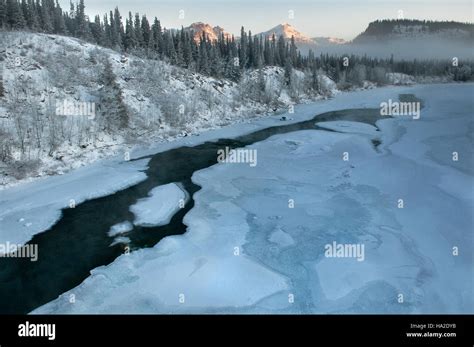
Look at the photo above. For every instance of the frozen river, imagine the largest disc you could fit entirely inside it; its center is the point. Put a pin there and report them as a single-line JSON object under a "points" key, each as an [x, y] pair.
{"points": [[394, 196]]}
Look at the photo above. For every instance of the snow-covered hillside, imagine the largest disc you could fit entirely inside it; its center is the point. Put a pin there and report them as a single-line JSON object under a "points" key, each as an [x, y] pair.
{"points": [[42, 72]]}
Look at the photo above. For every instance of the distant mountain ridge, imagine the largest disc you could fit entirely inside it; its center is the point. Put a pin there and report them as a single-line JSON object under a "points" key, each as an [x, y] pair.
{"points": [[414, 29], [303, 42]]}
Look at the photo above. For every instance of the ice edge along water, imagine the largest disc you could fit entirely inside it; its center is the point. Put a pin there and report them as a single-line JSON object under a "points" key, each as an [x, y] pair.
{"points": [[246, 251]]}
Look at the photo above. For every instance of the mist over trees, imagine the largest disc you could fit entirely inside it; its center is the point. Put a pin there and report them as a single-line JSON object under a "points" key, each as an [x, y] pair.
{"points": [[387, 26]]}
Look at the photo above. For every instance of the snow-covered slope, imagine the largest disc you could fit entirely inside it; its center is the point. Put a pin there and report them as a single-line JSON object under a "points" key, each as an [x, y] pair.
{"points": [[163, 102]]}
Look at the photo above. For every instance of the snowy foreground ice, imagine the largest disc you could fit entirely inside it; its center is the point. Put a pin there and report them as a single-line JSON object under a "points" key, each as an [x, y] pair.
{"points": [[161, 205], [257, 237]]}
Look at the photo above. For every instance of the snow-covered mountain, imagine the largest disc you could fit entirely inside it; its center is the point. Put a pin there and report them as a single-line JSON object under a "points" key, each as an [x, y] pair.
{"points": [[288, 31], [213, 33]]}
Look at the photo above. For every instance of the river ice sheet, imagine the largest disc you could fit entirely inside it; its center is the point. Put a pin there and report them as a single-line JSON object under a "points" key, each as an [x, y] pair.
{"points": [[160, 206]]}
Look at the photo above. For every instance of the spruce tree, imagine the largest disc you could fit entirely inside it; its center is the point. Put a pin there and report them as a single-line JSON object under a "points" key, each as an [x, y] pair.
{"points": [[3, 14], [119, 29], [258, 53], [151, 45], [97, 31], [243, 48], [171, 49], [138, 31], [158, 36], [314, 80], [187, 48], [59, 23], [130, 39], [281, 51], [2, 89], [14, 16], [273, 51], [267, 58], [214, 69], [145, 27], [107, 32], [71, 22], [163, 49], [46, 20], [24, 10], [180, 49], [83, 30], [32, 20], [203, 62], [288, 72], [112, 31], [293, 52], [250, 51], [112, 106]]}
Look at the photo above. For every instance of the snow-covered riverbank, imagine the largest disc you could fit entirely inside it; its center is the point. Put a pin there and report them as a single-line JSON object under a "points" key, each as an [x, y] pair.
{"points": [[257, 236]]}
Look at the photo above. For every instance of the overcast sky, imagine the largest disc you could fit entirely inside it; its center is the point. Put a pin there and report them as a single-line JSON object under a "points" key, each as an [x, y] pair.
{"points": [[336, 18]]}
